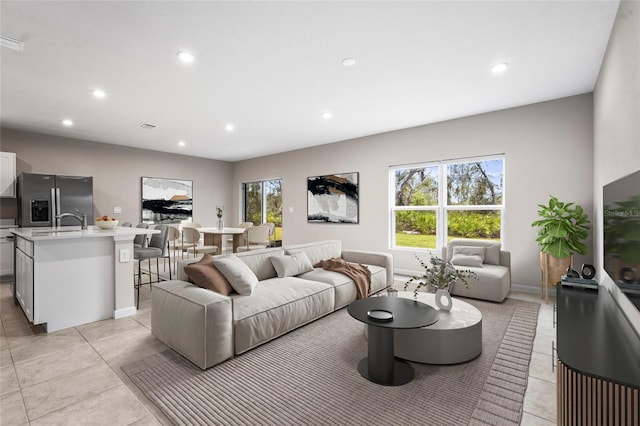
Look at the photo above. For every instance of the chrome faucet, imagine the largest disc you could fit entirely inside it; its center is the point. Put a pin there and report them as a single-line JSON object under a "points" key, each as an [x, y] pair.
{"points": [[80, 217]]}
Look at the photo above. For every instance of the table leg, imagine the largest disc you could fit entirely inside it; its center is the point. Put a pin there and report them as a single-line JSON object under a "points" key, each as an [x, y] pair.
{"points": [[236, 242], [381, 366]]}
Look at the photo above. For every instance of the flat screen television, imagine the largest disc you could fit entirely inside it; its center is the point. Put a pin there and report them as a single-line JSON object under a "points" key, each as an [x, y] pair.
{"points": [[621, 201]]}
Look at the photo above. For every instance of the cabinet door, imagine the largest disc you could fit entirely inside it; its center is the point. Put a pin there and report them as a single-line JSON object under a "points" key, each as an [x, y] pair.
{"points": [[24, 282], [6, 258], [7, 174]]}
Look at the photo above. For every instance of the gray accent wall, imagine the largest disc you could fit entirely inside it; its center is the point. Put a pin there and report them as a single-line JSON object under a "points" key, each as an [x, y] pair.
{"points": [[617, 125], [548, 150], [116, 172]]}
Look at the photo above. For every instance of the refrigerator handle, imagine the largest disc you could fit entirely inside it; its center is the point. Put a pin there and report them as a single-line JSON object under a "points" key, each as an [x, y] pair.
{"points": [[58, 212], [52, 210]]}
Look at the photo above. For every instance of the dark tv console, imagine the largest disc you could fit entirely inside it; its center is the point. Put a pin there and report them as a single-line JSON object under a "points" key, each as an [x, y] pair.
{"points": [[598, 360]]}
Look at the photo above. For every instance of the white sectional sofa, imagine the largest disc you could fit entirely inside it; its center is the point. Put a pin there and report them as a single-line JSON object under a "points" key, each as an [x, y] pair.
{"points": [[491, 265], [208, 328]]}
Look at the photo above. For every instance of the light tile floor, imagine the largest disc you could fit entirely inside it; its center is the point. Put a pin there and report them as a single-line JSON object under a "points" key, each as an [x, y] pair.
{"points": [[74, 376]]}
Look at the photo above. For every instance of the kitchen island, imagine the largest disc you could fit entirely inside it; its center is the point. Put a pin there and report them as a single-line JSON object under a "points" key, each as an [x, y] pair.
{"points": [[67, 276]]}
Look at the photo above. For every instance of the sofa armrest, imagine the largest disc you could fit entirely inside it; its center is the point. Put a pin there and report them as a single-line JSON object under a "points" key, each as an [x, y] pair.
{"points": [[384, 260], [505, 259], [196, 322]]}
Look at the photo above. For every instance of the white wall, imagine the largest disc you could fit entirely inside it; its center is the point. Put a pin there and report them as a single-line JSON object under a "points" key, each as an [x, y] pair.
{"points": [[116, 172], [617, 124], [548, 150]]}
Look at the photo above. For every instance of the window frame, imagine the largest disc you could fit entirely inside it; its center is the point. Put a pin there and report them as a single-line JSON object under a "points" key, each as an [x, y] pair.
{"points": [[263, 198], [443, 208]]}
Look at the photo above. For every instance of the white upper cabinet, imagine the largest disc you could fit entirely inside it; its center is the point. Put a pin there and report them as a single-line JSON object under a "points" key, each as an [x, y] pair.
{"points": [[7, 174]]}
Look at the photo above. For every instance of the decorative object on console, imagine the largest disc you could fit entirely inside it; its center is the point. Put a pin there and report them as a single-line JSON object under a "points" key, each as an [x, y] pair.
{"points": [[166, 200], [588, 271], [562, 229], [570, 273], [333, 198], [219, 211], [441, 275]]}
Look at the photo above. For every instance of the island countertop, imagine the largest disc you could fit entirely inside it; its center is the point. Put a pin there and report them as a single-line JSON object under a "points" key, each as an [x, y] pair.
{"points": [[74, 232]]}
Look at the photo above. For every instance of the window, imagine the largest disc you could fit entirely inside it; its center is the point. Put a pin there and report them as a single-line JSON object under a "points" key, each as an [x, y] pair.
{"points": [[263, 203], [435, 202]]}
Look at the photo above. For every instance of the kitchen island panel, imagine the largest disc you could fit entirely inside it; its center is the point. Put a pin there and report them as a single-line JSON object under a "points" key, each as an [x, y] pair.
{"points": [[73, 282]]}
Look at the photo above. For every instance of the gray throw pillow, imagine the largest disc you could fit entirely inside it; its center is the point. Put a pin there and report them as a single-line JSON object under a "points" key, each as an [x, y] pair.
{"points": [[468, 256], [466, 260], [292, 265], [241, 278]]}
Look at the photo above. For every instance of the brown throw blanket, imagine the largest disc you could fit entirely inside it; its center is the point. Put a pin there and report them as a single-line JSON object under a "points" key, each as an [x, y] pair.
{"points": [[360, 274]]}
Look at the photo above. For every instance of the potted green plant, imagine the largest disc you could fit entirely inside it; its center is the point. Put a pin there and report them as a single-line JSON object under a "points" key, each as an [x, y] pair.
{"points": [[219, 211], [562, 229], [440, 275]]}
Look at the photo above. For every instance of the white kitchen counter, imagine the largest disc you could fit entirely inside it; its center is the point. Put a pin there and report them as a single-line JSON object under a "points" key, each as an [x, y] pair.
{"points": [[67, 276], [69, 232]]}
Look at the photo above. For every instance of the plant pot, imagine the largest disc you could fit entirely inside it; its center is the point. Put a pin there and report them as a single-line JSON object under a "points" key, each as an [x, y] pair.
{"points": [[552, 268], [443, 300]]}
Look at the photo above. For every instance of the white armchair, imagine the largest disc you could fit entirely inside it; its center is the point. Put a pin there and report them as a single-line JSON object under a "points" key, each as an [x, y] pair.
{"points": [[493, 271]]}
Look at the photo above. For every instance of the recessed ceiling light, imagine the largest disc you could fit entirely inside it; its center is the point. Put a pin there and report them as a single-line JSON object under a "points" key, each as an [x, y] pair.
{"points": [[99, 93], [11, 43], [182, 143], [500, 68], [186, 57], [229, 127], [67, 122], [326, 115], [348, 62]]}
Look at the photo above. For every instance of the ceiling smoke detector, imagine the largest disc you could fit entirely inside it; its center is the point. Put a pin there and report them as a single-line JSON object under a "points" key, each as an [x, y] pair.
{"points": [[147, 126]]}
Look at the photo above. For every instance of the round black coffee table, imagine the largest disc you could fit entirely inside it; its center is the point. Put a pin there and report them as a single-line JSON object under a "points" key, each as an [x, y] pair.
{"points": [[380, 366]]}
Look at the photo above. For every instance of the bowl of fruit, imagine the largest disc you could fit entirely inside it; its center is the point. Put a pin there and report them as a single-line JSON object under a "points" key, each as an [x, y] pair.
{"points": [[106, 222]]}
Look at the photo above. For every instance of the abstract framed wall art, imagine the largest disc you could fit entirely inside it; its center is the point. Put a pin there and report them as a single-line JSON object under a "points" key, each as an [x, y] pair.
{"points": [[333, 198], [166, 200]]}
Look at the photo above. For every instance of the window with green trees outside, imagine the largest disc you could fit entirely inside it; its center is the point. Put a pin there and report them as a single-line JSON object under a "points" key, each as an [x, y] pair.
{"points": [[435, 202], [263, 203]]}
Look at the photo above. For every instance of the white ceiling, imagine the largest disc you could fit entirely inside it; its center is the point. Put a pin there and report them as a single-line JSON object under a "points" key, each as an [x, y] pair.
{"points": [[271, 68]]}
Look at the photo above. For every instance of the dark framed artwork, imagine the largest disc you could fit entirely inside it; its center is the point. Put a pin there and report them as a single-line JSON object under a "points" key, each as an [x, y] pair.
{"points": [[333, 198], [166, 200]]}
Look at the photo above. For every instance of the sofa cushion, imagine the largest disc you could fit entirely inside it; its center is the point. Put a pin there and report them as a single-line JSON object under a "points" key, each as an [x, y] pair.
{"points": [[468, 256], [276, 306], [241, 278], [317, 251], [493, 283], [205, 275], [291, 265], [344, 287], [491, 249], [258, 261], [467, 260]]}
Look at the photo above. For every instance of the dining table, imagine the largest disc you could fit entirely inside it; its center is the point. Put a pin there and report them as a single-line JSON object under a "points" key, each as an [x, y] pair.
{"points": [[213, 236]]}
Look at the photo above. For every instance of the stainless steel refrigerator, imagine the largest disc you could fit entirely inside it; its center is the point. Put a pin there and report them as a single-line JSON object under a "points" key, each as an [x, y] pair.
{"points": [[42, 197]]}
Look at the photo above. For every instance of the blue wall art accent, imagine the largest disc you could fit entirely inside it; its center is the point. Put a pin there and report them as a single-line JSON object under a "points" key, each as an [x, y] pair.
{"points": [[333, 198], [166, 200]]}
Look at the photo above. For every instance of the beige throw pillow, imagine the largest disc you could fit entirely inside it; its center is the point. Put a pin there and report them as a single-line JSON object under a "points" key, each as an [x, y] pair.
{"points": [[241, 278], [205, 275], [292, 265], [468, 256]]}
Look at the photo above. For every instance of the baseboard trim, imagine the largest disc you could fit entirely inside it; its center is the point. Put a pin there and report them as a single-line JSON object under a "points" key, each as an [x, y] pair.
{"points": [[125, 312]]}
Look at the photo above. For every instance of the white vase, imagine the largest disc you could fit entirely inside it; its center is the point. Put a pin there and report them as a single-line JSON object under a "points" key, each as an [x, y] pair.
{"points": [[220, 223], [447, 303]]}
